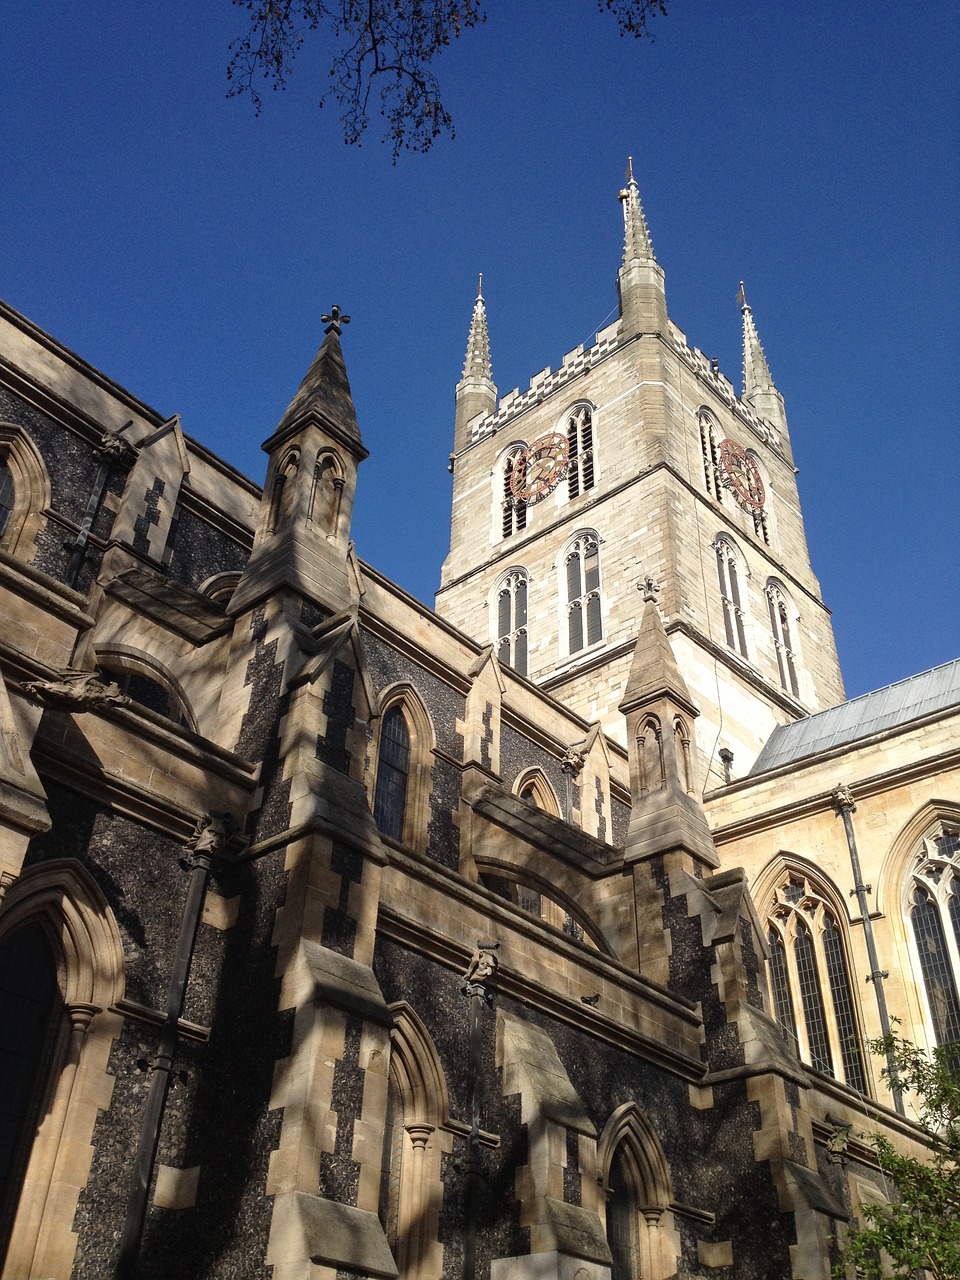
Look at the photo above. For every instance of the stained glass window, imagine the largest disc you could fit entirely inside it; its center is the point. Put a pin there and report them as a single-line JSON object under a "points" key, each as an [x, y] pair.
{"points": [[393, 771]]}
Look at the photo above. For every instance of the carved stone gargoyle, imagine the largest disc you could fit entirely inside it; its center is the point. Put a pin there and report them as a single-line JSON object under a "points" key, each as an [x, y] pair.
{"points": [[76, 691]]}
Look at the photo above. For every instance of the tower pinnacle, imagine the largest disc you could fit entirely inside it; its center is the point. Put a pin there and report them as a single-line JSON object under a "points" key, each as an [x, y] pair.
{"points": [[643, 302], [637, 246], [477, 362], [759, 389]]}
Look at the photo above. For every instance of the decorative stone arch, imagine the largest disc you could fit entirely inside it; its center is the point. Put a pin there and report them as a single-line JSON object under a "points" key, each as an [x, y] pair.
{"points": [[784, 620], [423, 1137], [532, 785], [326, 495], [684, 755], [628, 1134], [422, 743], [63, 899], [220, 587], [652, 767], [121, 658], [551, 895], [282, 495], [31, 492]]}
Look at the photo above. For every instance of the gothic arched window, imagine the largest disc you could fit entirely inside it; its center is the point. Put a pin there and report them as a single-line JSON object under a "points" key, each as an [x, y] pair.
{"points": [[512, 597], [809, 972], [580, 467], [623, 1220], [759, 514], [514, 510], [6, 495], [732, 592], [584, 612], [393, 772], [783, 624], [933, 906]]}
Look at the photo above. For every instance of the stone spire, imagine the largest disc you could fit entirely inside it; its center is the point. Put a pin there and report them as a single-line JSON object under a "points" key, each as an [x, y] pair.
{"points": [[759, 389], [476, 391], [324, 394], [643, 303]]}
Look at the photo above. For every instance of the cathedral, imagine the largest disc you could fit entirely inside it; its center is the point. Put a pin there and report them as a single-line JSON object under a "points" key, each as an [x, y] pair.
{"points": [[537, 937]]}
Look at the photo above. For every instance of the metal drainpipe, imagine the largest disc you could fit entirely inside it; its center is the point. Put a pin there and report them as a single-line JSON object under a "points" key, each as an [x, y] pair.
{"points": [[844, 804], [481, 971], [206, 842], [113, 448]]}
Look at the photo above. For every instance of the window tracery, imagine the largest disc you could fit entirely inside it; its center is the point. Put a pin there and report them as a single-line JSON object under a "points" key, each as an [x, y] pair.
{"points": [[780, 610], [513, 510], [809, 974], [710, 451], [933, 907], [584, 611]]}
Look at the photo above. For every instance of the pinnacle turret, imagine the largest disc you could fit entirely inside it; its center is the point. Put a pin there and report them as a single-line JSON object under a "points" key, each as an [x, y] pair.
{"points": [[477, 362], [476, 391], [643, 302], [759, 389], [637, 246]]}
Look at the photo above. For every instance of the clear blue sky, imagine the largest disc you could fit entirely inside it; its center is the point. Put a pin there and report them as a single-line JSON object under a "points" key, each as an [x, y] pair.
{"points": [[188, 248]]}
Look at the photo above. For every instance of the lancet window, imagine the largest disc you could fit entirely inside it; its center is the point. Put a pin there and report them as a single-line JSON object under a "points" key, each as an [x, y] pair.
{"points": [[393, 773], [580, 468], [511, 606], [782, 625], [732, 588], [933, 906], [584, 611], [710, 450], [6, 495], [810, 981], [513, 510]]}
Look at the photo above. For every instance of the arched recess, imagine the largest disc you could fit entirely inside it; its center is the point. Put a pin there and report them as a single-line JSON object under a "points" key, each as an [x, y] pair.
{"points": [[543, 899], [28, 492], [147, 682], [635, 1177], [327, 493], [416, 1135], [284, 481], [220, 587], [532, 785], [650, 755], [684, 756], [61, 898], [402, 805]]}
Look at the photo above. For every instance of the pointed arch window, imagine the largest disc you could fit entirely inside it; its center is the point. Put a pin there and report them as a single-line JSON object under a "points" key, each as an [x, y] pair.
{"points": [[732, 594], [513, 510], [6, 495], [512, 613], [393, 773], [809, 971], [580, 468], [758, 514], [640, 1227], [623, 1220], [584, 608], [782, 627], [933, 903], [710, 450]]}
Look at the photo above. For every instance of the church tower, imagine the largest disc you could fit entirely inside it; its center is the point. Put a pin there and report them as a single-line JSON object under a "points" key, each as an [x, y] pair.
{"points": [[637, 460]]}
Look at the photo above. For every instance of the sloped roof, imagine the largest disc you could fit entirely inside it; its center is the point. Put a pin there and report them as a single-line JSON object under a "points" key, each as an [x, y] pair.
{"points": [[891, 707]]}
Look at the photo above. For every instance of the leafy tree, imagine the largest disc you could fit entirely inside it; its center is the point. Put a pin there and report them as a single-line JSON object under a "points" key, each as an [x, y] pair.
{"points": [[920, 1232], [382, 54]]}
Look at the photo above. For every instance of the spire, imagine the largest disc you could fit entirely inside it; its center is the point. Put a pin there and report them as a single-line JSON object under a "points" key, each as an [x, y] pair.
{"points": [[476, 392], [637, 246], [759, 389], [477, 362], [324, 394], [654, 672], [643, 302]]}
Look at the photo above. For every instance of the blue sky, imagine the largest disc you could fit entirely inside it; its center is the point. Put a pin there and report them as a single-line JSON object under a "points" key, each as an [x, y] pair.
{"points": [[188, 248]]}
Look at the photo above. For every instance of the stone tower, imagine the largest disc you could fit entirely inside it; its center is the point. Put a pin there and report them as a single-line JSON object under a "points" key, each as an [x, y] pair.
{"points": [[637, 460]]}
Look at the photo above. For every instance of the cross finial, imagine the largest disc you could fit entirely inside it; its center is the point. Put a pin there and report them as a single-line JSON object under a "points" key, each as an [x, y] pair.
{"points": [[649, 589], [335, 321]]}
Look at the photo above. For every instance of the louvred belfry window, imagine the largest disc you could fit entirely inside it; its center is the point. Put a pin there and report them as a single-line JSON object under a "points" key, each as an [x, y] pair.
{"points": [[584, 612], [731, 595], [580, 468], [809, 972], [514, 510], [512, 598]]}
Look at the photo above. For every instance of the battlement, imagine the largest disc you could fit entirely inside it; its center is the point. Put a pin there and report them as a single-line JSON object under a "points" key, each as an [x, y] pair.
{"points": [[580, 359]]}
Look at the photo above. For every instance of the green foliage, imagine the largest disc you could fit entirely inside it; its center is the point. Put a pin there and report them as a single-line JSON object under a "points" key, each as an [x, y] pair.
{"points": [[920, 1232], [381, 56]]}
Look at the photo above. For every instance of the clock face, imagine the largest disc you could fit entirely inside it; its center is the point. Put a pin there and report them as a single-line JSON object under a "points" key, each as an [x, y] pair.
{"points": [[743, 474], [540, 467]]}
